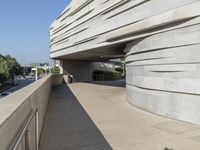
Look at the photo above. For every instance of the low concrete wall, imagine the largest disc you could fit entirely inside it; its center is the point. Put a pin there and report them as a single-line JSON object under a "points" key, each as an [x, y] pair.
{"points": [[15, 108]]}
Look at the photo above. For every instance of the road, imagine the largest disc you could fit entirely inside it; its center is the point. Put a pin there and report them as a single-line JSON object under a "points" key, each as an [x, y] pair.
{"points": [[20, 84]]}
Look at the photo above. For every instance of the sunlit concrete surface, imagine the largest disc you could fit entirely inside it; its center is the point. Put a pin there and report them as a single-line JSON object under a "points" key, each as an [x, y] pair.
{"points": [[83, 116], [159, 41], [15, 110]]}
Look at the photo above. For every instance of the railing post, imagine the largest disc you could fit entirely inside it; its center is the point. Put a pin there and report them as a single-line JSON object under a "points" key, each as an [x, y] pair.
{"points": [[27, 146], [23, 133], [36, 130]]}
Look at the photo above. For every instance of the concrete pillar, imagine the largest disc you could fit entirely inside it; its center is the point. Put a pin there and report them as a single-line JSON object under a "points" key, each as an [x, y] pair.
{"points": [[61, 67], [80, 70]]}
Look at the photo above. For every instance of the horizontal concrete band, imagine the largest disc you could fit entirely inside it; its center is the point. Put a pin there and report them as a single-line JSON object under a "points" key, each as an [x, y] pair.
{"points": [[93, 24], [15, 108], [163, 73], [162, 40]]}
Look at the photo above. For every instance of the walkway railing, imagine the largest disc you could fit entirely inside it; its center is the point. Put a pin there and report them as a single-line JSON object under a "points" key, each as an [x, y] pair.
{"points": [[24, 130], [22, 114]]}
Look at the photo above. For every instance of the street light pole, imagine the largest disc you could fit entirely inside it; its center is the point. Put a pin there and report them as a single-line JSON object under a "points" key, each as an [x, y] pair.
{"points": [[45, 70], [36, 73]]}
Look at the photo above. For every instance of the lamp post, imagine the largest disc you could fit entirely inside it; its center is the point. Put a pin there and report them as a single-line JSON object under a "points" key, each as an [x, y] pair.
{"points": [[45, 70], [36, 73]]}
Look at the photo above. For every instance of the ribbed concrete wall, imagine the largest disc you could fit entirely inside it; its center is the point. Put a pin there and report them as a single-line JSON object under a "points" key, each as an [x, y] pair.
{"points": [[163, 69], [93, 24], [162, 40]]}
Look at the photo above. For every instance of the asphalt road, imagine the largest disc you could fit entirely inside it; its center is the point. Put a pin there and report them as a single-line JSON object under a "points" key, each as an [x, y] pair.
{"points": [[20, 84]]}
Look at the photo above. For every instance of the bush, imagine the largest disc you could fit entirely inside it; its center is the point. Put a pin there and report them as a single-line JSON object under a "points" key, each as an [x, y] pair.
{"points": [[119, 69], [41, 71], [55, 70], [99, 75]]}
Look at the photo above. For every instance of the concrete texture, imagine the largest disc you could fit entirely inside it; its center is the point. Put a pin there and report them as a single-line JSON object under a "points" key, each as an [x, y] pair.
{"points": [[68, 126], [15, 108], [92, 116], [89, 29], [159, 40], [163, 70], [83, 70]]}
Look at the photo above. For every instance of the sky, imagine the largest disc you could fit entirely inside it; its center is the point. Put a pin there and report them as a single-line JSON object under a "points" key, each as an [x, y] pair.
{"points": [[24, 28]]}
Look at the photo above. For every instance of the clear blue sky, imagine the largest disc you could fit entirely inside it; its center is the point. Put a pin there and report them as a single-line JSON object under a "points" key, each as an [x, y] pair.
{"points": [[24, 26]]}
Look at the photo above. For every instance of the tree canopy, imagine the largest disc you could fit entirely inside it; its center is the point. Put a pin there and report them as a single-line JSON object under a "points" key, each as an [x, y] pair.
{"points": [[9, 67]]}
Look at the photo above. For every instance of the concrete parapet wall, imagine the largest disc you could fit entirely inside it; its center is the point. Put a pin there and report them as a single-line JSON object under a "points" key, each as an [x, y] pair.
{"points": [[15, 108]]}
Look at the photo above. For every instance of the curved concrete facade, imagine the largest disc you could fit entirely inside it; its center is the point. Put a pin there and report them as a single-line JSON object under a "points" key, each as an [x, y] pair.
{"points": [[160, 41]]}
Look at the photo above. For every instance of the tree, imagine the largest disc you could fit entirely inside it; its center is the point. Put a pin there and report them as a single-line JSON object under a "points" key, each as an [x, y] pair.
{"points": [[4, 71], [40, 71], [9, 67]]}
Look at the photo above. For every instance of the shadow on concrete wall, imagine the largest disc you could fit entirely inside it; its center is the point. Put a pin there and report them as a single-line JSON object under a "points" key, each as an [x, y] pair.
{"points": [[68, 126], [168, 149]]}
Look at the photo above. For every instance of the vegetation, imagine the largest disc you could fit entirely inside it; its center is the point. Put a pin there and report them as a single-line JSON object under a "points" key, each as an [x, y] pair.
{"points": [[40, 71], [55, 70], [119, 69], [9, 67], [99, 75]]}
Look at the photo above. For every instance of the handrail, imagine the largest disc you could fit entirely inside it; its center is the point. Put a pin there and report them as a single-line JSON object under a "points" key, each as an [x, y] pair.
{"points": [[24, 128]]}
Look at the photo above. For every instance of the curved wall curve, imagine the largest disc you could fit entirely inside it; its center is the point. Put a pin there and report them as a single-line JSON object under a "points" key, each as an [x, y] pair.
{"points": [[163, 71], [89, 25], [162, 40]]}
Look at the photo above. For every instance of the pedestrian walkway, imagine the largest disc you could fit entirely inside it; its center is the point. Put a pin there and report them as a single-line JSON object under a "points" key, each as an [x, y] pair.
{"points": [[85, 116]]}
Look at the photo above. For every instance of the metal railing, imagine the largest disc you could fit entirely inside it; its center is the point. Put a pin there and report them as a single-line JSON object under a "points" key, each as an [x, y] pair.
{"points": [[23, 131]]}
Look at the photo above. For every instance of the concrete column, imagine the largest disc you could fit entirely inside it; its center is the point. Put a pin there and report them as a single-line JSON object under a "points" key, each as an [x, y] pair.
{"points": [[61, 67], [80, 70]]}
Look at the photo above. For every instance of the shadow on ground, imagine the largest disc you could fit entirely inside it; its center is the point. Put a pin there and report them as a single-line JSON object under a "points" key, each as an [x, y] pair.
{"points": [[68, 126]]}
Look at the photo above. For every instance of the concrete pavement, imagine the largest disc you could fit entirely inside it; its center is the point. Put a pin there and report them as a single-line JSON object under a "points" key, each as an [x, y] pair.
{"points": [[97, 117]]}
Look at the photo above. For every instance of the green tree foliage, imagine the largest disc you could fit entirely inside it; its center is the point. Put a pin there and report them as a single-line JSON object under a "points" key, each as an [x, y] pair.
{"points": [[55, 70], [100, 75], [41, 71], [9, 67], [119, 69], [4, 71]]}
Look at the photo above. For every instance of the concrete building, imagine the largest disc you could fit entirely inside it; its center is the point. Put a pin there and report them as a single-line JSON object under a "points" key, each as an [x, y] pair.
{"points": [[160, 43], [159, 40]]}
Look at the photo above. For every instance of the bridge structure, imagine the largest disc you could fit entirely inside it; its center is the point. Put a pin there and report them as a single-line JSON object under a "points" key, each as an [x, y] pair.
{"points": [[159, 41], [160, 44]]}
